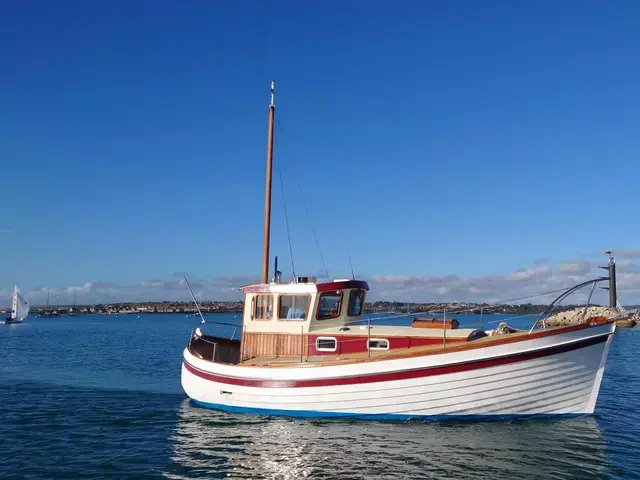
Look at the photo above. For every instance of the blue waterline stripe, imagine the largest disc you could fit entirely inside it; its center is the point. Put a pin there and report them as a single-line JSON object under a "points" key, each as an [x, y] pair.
{"points": [[377, 416]]}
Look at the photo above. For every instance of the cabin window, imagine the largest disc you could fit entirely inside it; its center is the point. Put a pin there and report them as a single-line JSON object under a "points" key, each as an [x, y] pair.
{"points": [[326, 344], [356, 303], [329, 305], [378, 344], [263, 307], [293, 307]]}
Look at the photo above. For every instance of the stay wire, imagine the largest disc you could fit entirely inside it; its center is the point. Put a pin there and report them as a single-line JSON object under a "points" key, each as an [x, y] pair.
{"points": [[286, 216], [306, 209]]}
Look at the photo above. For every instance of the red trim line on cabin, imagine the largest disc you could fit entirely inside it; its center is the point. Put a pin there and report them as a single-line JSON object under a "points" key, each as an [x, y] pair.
{"points": [[401, 375], [358, 343], [332, 286]]}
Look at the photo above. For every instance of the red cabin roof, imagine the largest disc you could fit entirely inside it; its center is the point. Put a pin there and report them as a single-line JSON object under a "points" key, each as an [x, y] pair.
{"points": [[304, 287]]}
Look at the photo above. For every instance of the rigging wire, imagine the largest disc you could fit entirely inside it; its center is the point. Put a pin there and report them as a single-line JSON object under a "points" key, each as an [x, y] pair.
{"points": [[313, 231], [270, 63], [284, 204], [353, 275], [306, 208]]}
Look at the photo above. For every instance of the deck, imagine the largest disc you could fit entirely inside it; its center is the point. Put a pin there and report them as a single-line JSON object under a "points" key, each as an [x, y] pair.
{"points": [[231, 351]]}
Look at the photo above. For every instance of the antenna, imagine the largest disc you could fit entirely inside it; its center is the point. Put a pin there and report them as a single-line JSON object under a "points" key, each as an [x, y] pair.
{"points": [[278, 274], [353, 275], [194, 300]]}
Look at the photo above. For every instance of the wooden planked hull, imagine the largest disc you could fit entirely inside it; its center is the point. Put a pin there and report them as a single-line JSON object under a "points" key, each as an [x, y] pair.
{"points": [[545, 375]]}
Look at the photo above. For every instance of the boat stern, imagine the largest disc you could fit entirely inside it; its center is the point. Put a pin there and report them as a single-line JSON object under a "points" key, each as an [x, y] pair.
{"points": [[204, 391]]}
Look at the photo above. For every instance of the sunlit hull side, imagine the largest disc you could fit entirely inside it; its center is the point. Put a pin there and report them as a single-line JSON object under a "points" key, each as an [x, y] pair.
{"points": [[557, 374]]}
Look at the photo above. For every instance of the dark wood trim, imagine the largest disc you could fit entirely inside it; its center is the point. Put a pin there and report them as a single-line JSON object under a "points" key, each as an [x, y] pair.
{"points": [[364, 299], [347, 284], [480, 343], [327, 293], [255, 307], [291, 320], [319, 287], [403, 374]]}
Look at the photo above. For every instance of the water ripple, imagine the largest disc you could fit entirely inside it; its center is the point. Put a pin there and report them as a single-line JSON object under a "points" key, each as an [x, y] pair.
{"points": [[105, 414]]}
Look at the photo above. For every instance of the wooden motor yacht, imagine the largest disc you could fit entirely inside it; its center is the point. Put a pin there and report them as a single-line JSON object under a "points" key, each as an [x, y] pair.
{"points": [[305, 349]]}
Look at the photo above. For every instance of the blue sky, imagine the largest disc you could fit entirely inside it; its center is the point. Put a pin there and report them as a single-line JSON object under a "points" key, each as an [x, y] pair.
{"points": [[430, 139]]}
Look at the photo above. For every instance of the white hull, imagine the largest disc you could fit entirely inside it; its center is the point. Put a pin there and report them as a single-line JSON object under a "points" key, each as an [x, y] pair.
{"points": [[549, 375]]}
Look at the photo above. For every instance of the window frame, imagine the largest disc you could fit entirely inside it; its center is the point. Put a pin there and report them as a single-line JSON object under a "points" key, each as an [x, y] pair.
{"points": [[334, 349], [255, 307], [332, 293], [369, 347], [306, 317], [351, 293]]}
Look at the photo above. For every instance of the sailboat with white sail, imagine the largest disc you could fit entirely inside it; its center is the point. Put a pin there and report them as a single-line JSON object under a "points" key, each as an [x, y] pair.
{"points": [[19, 308]]}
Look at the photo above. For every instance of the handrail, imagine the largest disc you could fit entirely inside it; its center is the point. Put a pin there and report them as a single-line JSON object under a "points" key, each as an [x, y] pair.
{"points": [[547, 313], [362, 320], [366, 322], [234, 325], [193, 335], [204, 340], [223, 323]]}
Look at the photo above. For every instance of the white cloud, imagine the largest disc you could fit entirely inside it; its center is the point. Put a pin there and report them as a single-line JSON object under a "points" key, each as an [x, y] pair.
{"points": [[418, 288], [541, 261], [525, 274], [632, 254], [500, 288], [575, 267], [627, 266]]}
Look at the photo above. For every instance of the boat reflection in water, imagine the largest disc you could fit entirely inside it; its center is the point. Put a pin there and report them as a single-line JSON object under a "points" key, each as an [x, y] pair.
{"points": [[207, 442]]}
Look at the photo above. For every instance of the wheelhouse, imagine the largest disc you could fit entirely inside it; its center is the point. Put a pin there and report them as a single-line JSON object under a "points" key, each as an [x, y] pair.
{"points": [[302, 307], [305, 321]]}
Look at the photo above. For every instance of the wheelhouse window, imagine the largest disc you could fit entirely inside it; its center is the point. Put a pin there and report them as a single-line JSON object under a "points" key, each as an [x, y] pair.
{"points": [[326, 344], [356, 303], [329, 305], [293, 307], [263, 309], [378, 344]]}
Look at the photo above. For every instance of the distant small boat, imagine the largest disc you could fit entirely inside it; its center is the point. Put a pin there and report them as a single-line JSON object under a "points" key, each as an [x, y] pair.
{"points": [[72, 311], [19, 308], [48, 312]]}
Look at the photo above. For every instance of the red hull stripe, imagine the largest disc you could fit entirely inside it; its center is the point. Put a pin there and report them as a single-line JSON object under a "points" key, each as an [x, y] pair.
{"points": [[400, 375]]}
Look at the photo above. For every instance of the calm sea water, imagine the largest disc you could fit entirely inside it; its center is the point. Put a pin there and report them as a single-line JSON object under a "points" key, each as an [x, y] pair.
{"points": [[100, 397]]}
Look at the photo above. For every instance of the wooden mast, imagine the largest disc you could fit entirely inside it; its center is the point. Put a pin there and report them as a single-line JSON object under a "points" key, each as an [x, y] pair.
{"points": [[267, 198]]}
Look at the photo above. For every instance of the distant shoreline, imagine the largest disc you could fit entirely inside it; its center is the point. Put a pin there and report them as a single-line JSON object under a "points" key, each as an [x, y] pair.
{"points": [[381, 307]]}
